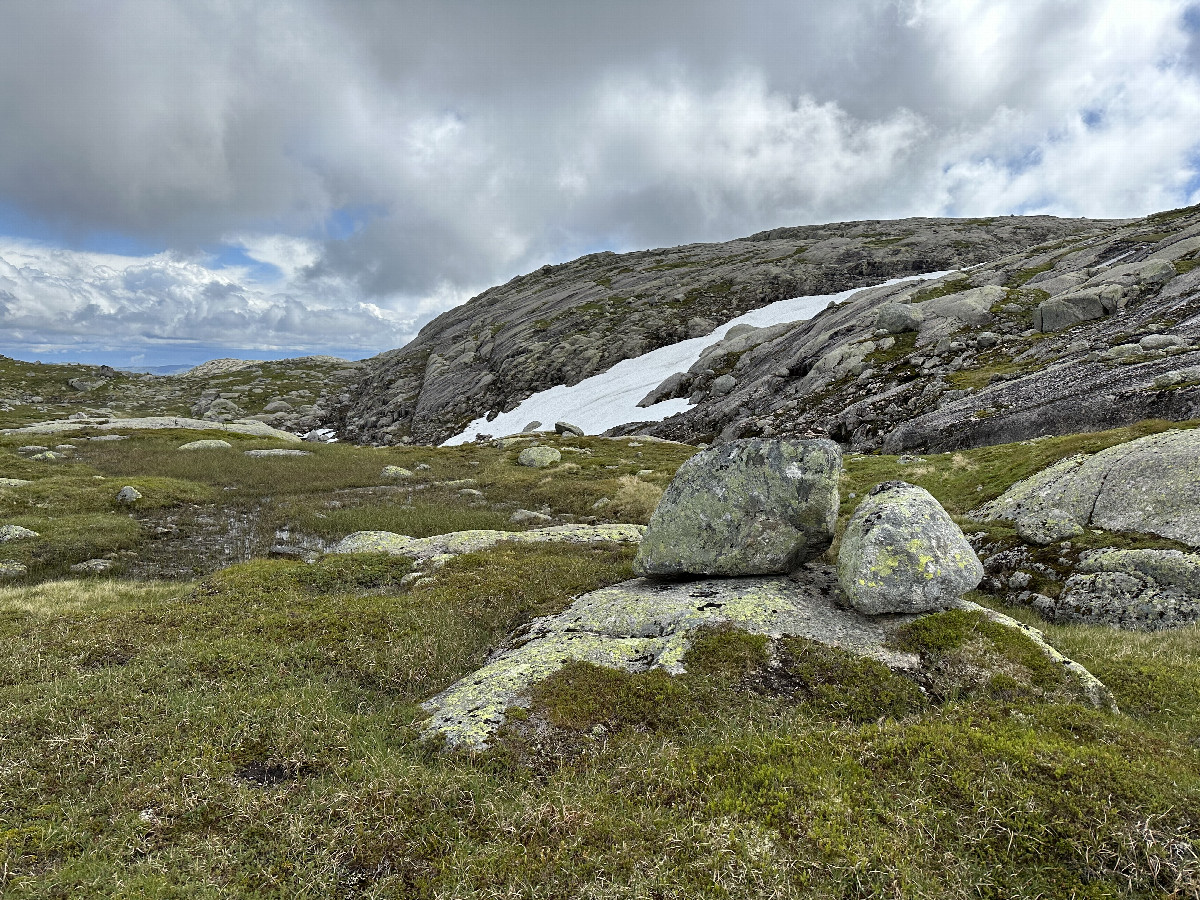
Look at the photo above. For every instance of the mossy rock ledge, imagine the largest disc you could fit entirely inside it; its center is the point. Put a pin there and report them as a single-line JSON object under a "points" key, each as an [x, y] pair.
{"points": [[643, 624]]}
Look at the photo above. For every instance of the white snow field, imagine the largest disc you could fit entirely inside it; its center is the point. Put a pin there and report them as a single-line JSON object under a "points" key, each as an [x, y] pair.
{"points": [[610, 398]]}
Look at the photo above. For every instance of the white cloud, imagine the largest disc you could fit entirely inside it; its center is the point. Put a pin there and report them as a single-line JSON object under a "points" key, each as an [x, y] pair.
{"points": [[471, 142]]}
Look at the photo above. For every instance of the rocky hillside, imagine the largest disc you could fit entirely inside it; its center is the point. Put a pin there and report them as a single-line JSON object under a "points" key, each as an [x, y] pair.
{"points": [[563, 323], [1088, 332]]}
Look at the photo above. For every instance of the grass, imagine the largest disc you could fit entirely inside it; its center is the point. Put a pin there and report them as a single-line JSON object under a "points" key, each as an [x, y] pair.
{"points": [[256, 732]]}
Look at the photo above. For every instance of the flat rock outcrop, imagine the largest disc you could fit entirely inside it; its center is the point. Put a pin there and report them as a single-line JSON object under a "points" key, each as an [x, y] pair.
{"points": [[751, 507], [643, 624], [1150, 485], [443, 546]]}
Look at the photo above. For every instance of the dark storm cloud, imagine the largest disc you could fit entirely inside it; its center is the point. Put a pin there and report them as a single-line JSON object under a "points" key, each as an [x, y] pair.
{"points": [[483, 139]]}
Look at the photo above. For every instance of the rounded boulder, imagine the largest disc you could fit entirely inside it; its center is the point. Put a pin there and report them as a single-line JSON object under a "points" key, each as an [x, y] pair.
{"points": [[902, 553]]}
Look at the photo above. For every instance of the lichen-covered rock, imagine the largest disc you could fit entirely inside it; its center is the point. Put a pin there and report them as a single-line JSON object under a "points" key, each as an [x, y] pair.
{"points": [[1150, 485], [1053, 525], [128, 494], [539, 457], [446, 545], [749, 507], [902, 553], [92, 566], [12, 569], [206, 444], [259, 454], [14, 482], [640, 624], [1141, 590], [16, 533], [643, 624], [395, 472], [528, 517]]}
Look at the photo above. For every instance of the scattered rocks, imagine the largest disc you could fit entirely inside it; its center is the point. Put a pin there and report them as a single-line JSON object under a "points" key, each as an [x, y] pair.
{"points": [[750, 507], [539, 457], [902, 553], [1142, 590], [16, 533], [128, 494], [206, 444]]}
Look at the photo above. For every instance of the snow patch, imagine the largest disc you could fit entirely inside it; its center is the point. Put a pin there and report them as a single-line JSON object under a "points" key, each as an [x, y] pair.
{"points": [[610, 398]]}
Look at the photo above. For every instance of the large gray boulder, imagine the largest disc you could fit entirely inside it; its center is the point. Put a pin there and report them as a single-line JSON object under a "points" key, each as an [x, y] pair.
{"points": [[1150, 485], [749, 507], [902, 553], [1143, 590], [897, 318], [539, 457]]}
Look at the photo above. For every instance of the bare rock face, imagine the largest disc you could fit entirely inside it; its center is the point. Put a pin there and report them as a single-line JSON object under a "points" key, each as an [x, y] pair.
{"points": [[1150, 485], [564, 323], [753, 507], [902, 553]]}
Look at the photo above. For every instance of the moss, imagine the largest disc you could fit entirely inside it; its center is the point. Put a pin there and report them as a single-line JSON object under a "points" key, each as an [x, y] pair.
{"points": [[1183, 266], [844, 685], [581, 696], [726, 651], [945, 289]]}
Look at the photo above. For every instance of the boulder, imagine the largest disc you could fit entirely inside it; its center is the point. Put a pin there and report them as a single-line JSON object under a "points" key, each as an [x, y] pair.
{"points": [[528, 517], [12, 569], [539, 457], [568, 428], [902, 553], [896, 318], [1051, 526], [128, 494], [276, 406], [207, 444], [92, 566], [722, 385], [972, 306], [1143, 590], [749, 507], [668, 390], [1150, 485], [15, 533], [532, 426], [1071, 309]]}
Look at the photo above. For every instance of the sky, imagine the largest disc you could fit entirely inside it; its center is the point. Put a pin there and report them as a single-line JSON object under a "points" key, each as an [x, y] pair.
{"points": [[201, 178]]}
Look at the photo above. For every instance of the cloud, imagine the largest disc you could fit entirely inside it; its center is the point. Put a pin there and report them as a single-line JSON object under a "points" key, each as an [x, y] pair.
{"points": [[361, 166]]}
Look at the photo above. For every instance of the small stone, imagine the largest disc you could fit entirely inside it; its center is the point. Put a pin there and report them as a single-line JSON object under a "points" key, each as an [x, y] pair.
{"points": [[206, 444], [395, 472], [128, 494], [15, 533], [529, 517], [92, 566], [539, 457]]}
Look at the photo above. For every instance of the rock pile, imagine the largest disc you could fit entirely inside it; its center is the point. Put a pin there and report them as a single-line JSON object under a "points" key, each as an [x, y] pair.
{"points": [[753, 512]]}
